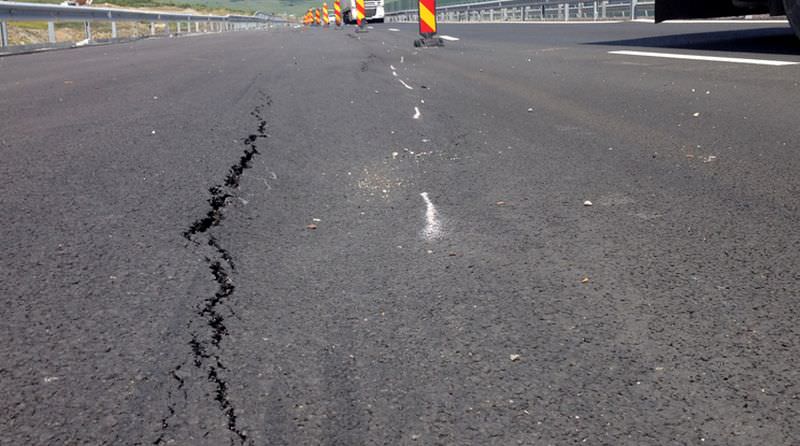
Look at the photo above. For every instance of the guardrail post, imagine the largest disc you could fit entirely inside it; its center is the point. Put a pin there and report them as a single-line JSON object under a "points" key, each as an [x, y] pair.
{"points": [[594, 10], [633, 9], [524, 13], [51, 32], [197, 27], [88, 28], [3, 34], [113, 30], [566, 12], [152, 28], [177, 27], [603, 6]]}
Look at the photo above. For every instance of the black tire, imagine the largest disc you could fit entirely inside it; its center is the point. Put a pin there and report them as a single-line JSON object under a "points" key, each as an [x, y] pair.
{"points": [[792, 8], [378, 20]]}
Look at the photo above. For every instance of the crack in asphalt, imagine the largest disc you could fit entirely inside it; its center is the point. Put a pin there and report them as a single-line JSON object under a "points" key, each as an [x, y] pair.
{"points": [[222, 268]]}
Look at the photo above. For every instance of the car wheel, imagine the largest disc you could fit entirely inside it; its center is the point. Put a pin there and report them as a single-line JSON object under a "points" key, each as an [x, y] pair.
{"points": [[792, 8]]}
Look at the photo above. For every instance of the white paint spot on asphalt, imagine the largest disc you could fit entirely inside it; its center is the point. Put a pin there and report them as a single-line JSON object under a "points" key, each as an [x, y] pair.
{"points": [[402, 59], [394, 30], [392, 67], [49, 379], [449, 38], [433, 228], [773, 63], [394, 73], [417, 114], [405, 84]]}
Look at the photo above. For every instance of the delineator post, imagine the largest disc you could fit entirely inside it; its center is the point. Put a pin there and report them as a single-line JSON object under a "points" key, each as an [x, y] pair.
{"points": [[360, 16], [427, 25], [337, 11]]}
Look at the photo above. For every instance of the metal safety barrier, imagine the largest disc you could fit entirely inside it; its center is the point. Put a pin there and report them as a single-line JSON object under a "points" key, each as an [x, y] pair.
{"points": [[530, 10], [52, 14]]}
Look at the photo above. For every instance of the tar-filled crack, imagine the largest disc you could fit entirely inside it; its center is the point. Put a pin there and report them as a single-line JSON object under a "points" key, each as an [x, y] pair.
{"points": [[205, 345]]}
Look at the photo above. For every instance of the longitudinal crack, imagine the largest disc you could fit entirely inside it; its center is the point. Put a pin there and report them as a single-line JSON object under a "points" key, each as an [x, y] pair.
{"points": [[205, 345]]}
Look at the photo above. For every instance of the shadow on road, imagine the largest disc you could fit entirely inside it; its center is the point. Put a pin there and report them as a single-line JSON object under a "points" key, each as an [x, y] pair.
{"points": [[779, 40]]}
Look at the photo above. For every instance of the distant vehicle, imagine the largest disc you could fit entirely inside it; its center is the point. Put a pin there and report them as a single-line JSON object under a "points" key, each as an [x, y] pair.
{"points": [[373, 11], [77, 3], [695, 9], [332, 18]]}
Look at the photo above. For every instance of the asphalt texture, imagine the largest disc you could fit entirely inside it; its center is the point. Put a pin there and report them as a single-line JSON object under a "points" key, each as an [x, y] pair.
{"points": [[310, 236]]}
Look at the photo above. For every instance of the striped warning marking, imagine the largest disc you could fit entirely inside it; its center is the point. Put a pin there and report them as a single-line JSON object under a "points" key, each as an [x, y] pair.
{"points": [[360, 15], [450, 38], [427, 17]]}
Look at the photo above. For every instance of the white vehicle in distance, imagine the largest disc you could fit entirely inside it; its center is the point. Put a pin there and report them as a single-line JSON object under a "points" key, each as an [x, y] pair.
{"points": [[373, 11]]}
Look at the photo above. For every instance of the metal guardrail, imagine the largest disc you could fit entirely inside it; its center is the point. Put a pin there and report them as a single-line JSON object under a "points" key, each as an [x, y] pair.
{"points": [[13, 11], [533, 10]]}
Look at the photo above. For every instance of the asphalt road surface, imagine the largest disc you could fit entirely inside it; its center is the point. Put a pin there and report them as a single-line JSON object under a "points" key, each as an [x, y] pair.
{"points": [[309, 236]]}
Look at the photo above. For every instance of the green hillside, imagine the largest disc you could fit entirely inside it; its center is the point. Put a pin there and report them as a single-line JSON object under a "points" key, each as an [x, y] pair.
{"points": [[297, 7]]}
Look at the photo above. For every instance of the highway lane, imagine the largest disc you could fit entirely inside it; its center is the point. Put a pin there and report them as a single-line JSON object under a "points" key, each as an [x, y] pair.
{"points": [[319, 237]]}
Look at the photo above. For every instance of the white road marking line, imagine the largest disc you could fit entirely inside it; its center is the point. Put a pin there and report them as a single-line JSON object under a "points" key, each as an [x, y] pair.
{"points": [[394, 30], [433, 227], [721, 22], [450, 38], [417, 114], [728, 22], [394, 73], [392, 67], [554, 22], [773, 63], [405, 84]]}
